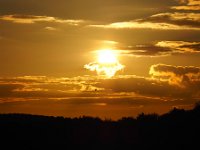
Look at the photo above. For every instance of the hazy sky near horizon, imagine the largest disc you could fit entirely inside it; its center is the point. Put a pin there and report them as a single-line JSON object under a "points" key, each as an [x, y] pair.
{"points": [[51, 61]]}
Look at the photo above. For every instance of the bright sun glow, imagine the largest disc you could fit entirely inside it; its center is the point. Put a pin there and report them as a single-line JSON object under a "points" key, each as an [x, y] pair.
{"points": [[107, 57], [106, 63]]}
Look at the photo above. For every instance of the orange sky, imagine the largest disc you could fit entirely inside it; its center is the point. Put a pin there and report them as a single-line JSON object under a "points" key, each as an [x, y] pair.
{"points": [[50, 62]]}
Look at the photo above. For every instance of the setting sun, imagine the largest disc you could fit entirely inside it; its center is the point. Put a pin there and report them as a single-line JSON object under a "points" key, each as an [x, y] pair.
{"points": [[106, 63], [107, 57]]}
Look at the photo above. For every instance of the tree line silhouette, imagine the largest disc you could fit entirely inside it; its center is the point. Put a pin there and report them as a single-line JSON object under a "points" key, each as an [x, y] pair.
{"points": [[178, 129]]}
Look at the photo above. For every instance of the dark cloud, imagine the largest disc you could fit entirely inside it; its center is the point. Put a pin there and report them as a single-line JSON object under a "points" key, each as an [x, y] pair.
{"points": [[177, 18], [139, 85], [6, 90], [177, 70], [145, 50], [180, 45], [189, 5], [162, 48], [193, 47], [185, 77], [146, 87]]}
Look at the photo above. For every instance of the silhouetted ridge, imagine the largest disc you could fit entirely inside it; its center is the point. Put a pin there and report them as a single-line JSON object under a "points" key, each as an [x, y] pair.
{"points": [[177, 129]]}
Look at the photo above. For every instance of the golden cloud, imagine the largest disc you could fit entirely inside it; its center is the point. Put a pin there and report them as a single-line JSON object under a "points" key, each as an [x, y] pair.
{"points": [[180, 82], [158, 49], [30, 19], [104, 69], [145, 25], [188, 5], [184, 77], [162, 21], [180, 46]]}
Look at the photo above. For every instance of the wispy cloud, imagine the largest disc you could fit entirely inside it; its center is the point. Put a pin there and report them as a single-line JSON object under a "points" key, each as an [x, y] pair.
{"points": [[50, 28], [30, 19], [158, 49], [180, 46], [178, 18], [144, 50], [188, 5], [144, 25], [162, 21]]}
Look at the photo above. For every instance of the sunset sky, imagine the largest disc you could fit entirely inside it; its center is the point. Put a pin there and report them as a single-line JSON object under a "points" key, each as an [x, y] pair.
{"points": [[104, 58]]}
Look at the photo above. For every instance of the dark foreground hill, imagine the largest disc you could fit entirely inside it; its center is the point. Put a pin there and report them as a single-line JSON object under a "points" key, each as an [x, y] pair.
{"points": [[176, 129]]}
